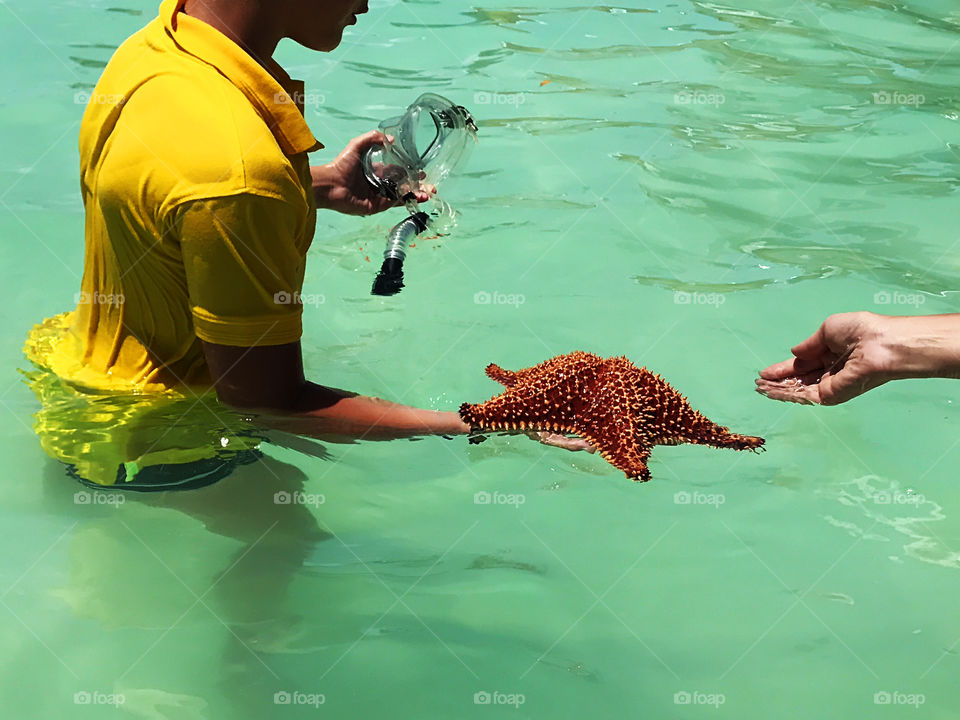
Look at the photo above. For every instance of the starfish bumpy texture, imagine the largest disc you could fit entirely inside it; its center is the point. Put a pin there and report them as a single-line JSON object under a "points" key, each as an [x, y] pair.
{"points": [[619, 408]]}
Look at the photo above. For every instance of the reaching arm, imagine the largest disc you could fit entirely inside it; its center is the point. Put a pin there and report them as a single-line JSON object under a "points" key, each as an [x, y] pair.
{"points": [[270, 381], [852, 353]]}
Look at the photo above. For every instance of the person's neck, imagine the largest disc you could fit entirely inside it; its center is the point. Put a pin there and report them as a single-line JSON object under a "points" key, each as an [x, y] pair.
{"points": [[245, 23]]}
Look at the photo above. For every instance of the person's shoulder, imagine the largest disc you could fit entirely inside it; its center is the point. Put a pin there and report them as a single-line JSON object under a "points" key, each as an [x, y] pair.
{"points": [[199, 134], [198, 109]]}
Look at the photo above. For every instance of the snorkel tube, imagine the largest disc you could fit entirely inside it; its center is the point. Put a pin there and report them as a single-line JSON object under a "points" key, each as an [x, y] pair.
{"points": [[389, 280], [431, 140]]}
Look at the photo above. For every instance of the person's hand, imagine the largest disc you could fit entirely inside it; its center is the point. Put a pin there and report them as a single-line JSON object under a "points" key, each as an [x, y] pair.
{"points": [[562, 441], [343, 187], [850, 354]]}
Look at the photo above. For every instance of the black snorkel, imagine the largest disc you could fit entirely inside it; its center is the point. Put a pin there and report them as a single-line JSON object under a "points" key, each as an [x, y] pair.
{"points": [[389, 280]]}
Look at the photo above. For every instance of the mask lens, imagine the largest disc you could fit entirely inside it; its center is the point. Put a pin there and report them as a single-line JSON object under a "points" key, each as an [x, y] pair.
{"points": [[427, 135]]}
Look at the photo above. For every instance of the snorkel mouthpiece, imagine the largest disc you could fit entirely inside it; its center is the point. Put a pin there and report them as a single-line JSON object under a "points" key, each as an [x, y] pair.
{"points": [[431, 140], [389, 280]]}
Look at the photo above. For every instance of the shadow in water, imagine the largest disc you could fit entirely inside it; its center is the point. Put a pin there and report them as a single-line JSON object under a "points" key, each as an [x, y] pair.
{"points": [[213, 600]]}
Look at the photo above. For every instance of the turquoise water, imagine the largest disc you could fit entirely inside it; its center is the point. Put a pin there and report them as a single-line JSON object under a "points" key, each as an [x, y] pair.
{"points": [[696, 187]]}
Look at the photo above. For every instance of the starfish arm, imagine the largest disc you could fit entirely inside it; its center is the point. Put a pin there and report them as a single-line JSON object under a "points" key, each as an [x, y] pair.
{"points": [[628, 455], [507, 378], [693, 428], [511, 411], [568, 364], [727, 439], [673, 421]]}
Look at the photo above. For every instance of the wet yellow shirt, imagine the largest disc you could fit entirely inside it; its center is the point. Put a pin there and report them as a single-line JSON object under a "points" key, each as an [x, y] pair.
{"points": [[199, 211]]}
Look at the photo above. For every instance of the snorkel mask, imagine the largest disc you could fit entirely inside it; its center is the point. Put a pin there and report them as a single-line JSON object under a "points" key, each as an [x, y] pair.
{"points": [[431, 140]]}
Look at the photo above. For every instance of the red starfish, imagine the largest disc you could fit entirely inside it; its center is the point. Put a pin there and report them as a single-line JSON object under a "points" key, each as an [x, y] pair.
{"points": [[621, 409]]}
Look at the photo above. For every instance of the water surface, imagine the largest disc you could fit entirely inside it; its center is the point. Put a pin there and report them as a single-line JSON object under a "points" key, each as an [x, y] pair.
{"points": [[694, 185]]}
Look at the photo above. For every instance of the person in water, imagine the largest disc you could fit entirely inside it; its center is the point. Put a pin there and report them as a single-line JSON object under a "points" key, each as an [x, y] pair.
{"points": [[854, 352], [200, 206]]}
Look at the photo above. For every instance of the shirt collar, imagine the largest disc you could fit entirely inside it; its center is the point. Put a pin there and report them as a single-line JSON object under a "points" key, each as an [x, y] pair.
{"points": [[280, 104]]}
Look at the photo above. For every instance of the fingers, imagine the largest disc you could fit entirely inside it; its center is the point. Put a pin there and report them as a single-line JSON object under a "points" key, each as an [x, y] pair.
{"points": [[420, 197], [574, 444], [789, 390], [813, 346], [809, 356], [423, 194], [780, 370], [368, 140], [828, 389], [801, 367]]}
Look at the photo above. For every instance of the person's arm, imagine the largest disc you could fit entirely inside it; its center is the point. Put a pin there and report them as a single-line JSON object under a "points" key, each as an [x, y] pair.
{"points": [[852, 353], [270, 382]]}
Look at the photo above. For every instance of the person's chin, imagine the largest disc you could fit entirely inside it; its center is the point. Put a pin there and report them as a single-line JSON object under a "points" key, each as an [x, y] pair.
{"points": [[324, 44]]}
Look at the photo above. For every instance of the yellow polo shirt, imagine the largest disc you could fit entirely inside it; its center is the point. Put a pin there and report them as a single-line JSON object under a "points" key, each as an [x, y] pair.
{"points": [[199, 211]]}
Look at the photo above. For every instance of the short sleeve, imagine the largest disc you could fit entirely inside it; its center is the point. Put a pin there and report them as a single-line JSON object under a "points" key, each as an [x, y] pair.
{"points": [[244, 267]]}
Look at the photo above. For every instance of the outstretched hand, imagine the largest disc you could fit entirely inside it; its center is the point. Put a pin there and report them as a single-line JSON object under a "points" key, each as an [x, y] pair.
{"points": [[342, 186], [846, 357], [573, 444]]}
